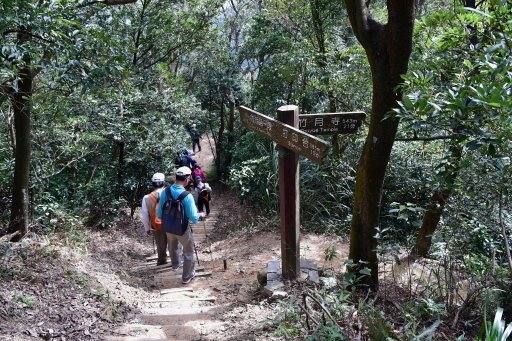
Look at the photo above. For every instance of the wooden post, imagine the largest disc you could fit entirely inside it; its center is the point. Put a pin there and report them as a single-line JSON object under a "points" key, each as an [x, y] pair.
{"points": [[289, 198]]}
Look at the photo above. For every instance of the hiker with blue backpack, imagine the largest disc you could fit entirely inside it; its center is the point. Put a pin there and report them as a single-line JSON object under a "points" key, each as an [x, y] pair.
{"points": [[152, 224], [176, 209], [183, 159]]}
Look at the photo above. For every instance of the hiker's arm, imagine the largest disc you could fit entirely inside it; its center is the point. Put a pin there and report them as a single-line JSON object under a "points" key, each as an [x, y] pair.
{"points": [[190, 209], [144, 215]]}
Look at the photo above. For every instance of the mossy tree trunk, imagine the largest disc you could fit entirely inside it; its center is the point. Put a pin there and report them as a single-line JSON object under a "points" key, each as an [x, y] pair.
{"points": [[388, 48]]}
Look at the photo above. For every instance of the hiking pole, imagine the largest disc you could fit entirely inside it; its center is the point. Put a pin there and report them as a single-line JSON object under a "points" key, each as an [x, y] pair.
{"points": [[195, 249], [154, 248]]}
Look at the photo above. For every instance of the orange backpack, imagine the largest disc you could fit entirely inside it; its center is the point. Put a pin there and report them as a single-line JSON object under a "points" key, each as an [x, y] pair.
{"points": [[156, 222]]}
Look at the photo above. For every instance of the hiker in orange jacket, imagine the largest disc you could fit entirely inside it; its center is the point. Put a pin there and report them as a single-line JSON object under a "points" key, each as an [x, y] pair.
{"points": [[152, 224]]}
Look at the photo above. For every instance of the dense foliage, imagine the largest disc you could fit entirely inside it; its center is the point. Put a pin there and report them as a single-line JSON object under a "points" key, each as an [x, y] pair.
{"points": [[115, 88], [110, 102]]}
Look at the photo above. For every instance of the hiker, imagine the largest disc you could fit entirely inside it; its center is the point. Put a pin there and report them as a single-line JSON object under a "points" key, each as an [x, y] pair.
{"points": [[197, 171], [183, 159], [177, 195], [203, 191], [195, 136], [151, 222]]}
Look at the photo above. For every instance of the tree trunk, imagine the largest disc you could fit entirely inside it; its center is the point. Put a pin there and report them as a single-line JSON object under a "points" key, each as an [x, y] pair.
{"points": [[12, 130], [120, 168], [230, 133], [370, 178], [20, 99], [120, 155], [504, 231], [430, 221], [218, 146], [435, 208], [388, 48]]}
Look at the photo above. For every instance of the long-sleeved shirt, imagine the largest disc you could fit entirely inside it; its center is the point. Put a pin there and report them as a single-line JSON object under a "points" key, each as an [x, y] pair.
{"points": [[146, 207], [188, 203]]}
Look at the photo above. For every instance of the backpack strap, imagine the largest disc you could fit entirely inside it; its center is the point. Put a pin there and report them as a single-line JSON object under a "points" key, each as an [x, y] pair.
{"points": [[179, 198], [154, 197], [182, 195]]}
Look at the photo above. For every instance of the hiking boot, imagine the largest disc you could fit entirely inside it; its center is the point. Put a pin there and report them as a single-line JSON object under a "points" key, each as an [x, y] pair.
{"points": [[176, 267], [187, 281]]}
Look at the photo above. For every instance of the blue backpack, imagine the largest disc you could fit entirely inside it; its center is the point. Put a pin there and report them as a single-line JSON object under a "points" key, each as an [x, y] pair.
{"points": [[174, 220], [181, 161]]}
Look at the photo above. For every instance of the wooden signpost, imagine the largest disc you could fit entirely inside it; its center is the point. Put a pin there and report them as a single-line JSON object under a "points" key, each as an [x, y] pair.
{"points": [[285, 133], [292, 143], [331, 123]]}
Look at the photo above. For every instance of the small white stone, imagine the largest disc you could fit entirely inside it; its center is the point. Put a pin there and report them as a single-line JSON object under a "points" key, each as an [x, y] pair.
{"points": [[328, 282], [279, 295]]}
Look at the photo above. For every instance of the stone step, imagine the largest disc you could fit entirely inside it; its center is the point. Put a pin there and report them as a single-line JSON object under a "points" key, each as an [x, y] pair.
{"points": [[143, 338], [197, 269], [149, 312], [153, 308], [175, 318], [180, 332], [182, 299], [163, 275], [144, 331], [175, 290]]}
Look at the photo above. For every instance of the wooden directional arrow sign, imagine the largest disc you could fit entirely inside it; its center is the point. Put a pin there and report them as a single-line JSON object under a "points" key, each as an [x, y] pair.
{"points": [[286, 136], [331, 123]]}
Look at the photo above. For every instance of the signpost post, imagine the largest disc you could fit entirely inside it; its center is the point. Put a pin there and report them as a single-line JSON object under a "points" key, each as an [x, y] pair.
{"points": [[292, 143], [289, 198]]}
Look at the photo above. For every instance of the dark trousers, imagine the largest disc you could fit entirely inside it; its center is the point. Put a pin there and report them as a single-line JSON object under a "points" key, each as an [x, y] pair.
{"points": [[200, 203], [161, 246], [194, 144]]}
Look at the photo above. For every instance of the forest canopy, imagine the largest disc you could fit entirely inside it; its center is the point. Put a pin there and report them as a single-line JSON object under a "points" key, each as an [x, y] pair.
{"points": [[96, 96]]}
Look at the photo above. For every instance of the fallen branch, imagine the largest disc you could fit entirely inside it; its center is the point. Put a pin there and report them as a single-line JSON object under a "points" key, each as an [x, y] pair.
{"points": [[9, 237], [323, 308], [468, 299], [308, 317]]}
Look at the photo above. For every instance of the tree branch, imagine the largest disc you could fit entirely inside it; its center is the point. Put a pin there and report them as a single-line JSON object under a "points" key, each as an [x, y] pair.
{"points": [[6, 32], [108, 2], [430, 138], [359, 14]]}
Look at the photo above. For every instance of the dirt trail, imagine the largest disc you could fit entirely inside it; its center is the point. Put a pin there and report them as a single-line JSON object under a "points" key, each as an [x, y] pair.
{"points": [[96, 284], [219, 304]]}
